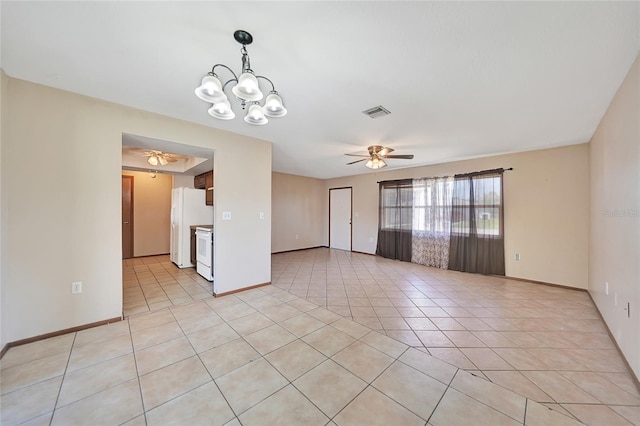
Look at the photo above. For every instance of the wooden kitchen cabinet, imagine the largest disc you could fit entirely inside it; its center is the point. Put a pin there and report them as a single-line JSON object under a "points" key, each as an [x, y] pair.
{"points": [[209, 187], [205, 181], [199, 182]]}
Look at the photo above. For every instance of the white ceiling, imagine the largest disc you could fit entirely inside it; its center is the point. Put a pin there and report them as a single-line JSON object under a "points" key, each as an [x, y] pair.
{"points": [[461, 80]]}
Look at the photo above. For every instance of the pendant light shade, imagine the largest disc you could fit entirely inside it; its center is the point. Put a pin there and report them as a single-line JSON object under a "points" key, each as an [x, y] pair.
{"points": [[255, 115], [273, 106], [163, 161], [247, 87], [210, 90], [153, 160], [222, 110]]}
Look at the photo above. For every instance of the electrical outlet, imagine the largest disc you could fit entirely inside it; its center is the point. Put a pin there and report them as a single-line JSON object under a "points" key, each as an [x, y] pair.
{"points": [[606, 288], [297, 237], [518, 256], [76, 287], [226, 215], [261, 215], [370, 239]]}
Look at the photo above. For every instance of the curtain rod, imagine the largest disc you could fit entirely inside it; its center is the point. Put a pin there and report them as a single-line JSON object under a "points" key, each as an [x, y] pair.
{"points": [[442, 177]]}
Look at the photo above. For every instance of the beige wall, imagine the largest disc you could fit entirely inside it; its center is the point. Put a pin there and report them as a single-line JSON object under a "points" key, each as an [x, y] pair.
{"points": [[546, 210], [151, 213], [615, 216], [299, 209], [62, 214]]}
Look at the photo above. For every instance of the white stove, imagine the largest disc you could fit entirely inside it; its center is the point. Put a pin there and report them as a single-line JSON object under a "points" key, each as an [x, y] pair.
{"points": [[204, 252]]}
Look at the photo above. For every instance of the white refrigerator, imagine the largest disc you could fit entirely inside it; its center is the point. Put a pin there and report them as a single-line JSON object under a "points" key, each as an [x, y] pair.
{"points": [[187, 208]]}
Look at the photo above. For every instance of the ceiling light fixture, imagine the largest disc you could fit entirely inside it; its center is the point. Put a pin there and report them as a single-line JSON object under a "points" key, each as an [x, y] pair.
{"points": [[158, 158], [246, 89], [375, 163]]}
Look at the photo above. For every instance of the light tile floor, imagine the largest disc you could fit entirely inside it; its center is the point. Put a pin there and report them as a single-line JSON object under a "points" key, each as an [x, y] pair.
{"points": [[546, 343], [267, 356], [151, 283]]}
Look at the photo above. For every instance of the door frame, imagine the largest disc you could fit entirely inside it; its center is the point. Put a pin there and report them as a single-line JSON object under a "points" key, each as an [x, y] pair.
{"points": [[130, 215], [350, 188]]}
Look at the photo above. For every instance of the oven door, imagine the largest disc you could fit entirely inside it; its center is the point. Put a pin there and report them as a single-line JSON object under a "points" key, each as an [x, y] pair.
{"points": [[204, 249], [203, 246]]}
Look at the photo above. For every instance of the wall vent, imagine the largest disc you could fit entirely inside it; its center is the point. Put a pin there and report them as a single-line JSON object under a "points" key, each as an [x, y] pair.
{"points": [[377, 111]]}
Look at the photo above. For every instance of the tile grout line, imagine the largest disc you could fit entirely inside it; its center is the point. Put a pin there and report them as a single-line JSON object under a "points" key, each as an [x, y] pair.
{"points": [[135, 362], [64, 374]]}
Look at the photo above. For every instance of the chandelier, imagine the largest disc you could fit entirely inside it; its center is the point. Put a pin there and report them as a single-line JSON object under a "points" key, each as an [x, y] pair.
{"points": [[246, 89]]}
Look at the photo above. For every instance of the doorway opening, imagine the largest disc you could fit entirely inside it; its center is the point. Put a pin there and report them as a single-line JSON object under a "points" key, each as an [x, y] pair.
{"points": [[127, 217], [153, 170]]}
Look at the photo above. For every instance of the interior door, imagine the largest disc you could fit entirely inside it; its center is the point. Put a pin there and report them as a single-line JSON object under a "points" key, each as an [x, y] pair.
{"points": [[340, 218], [127, 217]]}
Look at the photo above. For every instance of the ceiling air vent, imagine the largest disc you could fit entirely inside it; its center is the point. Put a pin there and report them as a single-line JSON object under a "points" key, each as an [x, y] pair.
{"points": [[375, 112]]}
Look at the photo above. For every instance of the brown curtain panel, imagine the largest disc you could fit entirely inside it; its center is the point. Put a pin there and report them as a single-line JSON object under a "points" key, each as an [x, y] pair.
{"points": [[477, 223], [395, 220]]}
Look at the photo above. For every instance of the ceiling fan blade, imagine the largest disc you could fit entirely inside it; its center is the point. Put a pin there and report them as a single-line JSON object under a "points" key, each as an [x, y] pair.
{"points": [[357, 161], [358, 155], [404, 157], [171, 159], [384, 151]]}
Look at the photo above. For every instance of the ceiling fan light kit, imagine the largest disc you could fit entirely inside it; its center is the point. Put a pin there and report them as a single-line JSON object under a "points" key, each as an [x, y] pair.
{"points": [[375, 163], [377, 154], [159, 157], [246, 90]]}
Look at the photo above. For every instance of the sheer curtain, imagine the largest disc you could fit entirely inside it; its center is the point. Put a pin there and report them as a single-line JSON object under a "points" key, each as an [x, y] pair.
{"points": [[477, 223], [395, 219], [431, 221]]}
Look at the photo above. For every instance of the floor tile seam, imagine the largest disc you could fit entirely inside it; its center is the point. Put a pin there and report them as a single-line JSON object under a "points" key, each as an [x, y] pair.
{"points": [[486, 404], [94, 363], [573, 416], [585, 390], [447, 384], [64, 374], [22, 388], [139, 376], [237, 415], [3, 369]]}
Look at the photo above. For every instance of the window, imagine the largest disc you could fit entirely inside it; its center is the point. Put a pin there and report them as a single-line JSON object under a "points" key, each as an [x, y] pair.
{"points": [[396, 204], [483, 215], [432, 205]]}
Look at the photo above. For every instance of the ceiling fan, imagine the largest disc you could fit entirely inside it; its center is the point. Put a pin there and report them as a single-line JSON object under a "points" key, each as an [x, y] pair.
{"points": [[155, 157], [376, 155]]}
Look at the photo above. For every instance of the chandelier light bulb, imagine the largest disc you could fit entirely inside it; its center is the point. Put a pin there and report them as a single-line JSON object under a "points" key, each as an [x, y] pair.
{"points": [[273, 106], [222, 110], [210, 90], [255, 116], [247, 88]]}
